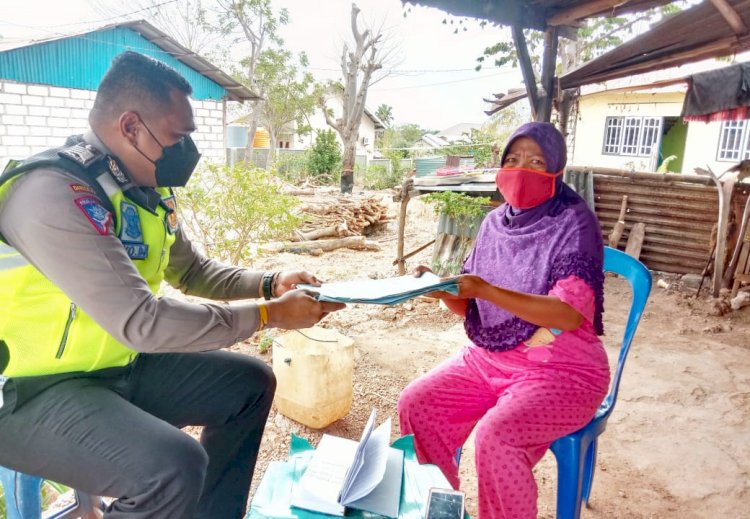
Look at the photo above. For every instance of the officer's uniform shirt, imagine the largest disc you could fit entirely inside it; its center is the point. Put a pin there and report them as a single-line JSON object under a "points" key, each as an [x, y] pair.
{"points": [[85, 258]]}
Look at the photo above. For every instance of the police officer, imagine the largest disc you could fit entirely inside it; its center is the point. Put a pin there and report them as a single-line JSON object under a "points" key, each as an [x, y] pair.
{"points": [[98, 373]]}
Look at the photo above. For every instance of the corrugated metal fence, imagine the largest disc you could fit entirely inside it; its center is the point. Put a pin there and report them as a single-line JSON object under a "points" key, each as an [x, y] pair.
{"points": [[678, 211]]}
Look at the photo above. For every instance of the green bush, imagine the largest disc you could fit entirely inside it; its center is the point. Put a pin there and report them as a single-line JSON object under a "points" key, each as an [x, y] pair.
{"points": [[378, 177], [324, 161], [226, 209], [290, 167], [458, 205]]}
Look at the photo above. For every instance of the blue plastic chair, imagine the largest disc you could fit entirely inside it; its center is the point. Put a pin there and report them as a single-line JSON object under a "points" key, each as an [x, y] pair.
{"points": [[576, 452], [23, 499]]}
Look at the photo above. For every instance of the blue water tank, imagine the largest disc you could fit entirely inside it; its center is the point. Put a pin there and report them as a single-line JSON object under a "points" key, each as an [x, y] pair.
{"points": [[236, 137]]}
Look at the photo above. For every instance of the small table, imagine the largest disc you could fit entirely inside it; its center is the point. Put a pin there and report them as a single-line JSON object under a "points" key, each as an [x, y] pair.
{"points": [[271, 500]]}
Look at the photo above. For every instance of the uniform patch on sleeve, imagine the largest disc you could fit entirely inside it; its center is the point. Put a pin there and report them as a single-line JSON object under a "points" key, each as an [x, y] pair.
{"points": [[81, 188], [99, 217]]}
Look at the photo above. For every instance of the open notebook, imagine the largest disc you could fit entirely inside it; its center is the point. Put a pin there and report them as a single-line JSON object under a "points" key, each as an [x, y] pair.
{"points": [[342, 473]]}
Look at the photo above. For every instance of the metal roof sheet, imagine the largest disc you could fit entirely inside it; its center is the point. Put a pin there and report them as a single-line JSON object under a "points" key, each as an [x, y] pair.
{"points": [[80, 60]]}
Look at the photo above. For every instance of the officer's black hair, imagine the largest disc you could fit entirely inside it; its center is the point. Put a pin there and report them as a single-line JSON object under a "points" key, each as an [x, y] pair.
{"points": [[136, 81]]}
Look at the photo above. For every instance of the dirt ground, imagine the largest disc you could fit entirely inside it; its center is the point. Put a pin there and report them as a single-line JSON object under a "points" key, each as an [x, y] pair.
{"points": [[677, 444]]}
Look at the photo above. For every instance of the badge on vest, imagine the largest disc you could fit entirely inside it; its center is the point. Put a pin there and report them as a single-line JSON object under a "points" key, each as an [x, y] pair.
{"points": [[99, 217], [131, 233], [81, 153], [172, 223], [116, 171]]}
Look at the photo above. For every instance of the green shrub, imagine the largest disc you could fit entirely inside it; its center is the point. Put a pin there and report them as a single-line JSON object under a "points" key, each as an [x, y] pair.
{"points": [[378, 177], [226, 209], [458, 205], [324, 161], [290, 167]]}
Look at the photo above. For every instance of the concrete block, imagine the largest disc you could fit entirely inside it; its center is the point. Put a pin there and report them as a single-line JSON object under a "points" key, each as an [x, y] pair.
{"points": [[54, 101], [59, 92], [14, 88], [38, 90], [32, 100], [80, 94]]}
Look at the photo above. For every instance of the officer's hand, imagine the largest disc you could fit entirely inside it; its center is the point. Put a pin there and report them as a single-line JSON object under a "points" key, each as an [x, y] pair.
{"points": [[288, 280], [298, 309]]}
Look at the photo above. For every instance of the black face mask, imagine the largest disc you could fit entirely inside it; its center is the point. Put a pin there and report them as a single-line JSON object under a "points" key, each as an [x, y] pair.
{"points": [[177, 162]]}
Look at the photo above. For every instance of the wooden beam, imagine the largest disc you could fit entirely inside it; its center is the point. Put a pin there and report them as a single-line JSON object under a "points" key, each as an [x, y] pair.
{"points": [[549, 60], [731, 16], [524, 61], [579, 12]]}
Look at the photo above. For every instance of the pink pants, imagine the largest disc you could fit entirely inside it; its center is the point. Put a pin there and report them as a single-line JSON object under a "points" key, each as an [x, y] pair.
{"points": [[517, 414]]}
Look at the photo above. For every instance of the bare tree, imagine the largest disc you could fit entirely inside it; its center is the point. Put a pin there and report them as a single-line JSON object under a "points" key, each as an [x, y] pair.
{"points": [[253, 22], [184, 20], [357, 66]]}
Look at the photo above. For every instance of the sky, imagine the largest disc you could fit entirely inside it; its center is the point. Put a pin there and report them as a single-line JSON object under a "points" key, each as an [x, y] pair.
{"points": [[431, 80]]}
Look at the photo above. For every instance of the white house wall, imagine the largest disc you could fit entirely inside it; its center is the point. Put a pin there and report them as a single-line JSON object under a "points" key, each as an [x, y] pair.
{"points": [[701, 143], [702, 146], [318, 122], [34, 118], [590, 126]]}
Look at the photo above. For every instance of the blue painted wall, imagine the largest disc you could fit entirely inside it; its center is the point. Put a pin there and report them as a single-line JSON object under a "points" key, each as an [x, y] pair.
{"points": [[81, 61]]}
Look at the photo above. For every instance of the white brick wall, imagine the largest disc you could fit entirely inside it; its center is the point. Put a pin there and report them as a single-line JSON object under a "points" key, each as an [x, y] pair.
{"points": [[209, 133], [34, 118]]}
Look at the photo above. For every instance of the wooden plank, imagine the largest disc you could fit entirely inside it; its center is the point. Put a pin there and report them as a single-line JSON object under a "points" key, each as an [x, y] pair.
{"points": [[635, 240], [614, 236], [524, 62], [743, 267]]}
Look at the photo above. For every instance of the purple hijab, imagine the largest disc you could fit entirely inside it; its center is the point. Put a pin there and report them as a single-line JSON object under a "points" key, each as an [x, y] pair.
{"points": [[530, 250]]}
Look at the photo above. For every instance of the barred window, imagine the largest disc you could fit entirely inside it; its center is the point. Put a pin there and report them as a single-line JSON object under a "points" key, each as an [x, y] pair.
{"points": [[612, 134], [733, 141], [631, 135]]}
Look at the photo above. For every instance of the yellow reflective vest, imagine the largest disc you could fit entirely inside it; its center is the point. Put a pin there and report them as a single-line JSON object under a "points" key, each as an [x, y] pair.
{"points": [[43, 332]]}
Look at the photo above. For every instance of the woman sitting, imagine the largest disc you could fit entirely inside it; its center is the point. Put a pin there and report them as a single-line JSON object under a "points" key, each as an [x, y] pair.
{"points": [[531, 292]]}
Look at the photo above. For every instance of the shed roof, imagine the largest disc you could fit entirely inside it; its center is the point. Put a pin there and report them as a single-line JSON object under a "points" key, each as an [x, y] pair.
{"points": [[80, 60], [703, 31], [538, 14]]}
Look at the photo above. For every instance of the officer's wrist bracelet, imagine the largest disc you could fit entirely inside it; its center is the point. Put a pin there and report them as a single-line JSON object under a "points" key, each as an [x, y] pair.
{"points": [[262, 316], [267, 285]]}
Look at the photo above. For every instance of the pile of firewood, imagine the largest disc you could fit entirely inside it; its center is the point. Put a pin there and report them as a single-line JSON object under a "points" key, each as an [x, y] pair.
{"points": [[342, 216], [341, 222]]}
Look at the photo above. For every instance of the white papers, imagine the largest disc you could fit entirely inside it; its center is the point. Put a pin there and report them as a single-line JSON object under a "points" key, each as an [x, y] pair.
{"points": [[344, 473], [387, 291]]}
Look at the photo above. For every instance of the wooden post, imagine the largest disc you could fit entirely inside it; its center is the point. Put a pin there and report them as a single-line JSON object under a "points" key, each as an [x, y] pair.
{"points": [[736, 254], [544, 106], [614, 236], [404, 196], [524, 62], [725, 189]]}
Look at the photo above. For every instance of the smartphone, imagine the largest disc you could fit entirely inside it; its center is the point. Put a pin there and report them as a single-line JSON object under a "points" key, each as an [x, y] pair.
{"points": [[443, 503]]}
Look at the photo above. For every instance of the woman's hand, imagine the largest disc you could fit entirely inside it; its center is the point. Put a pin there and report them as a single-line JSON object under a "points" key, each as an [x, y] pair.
{"points": [[471, 287], [288, 280]]}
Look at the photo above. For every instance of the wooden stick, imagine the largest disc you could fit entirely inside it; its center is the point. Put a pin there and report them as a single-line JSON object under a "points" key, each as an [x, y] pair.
{"points": [[616, 234], [736, 254], [405, 196], [412, 253], [349, 242]]}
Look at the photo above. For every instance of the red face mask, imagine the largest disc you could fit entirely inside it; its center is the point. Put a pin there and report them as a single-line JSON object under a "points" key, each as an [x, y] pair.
{"points": [[526, 188]]}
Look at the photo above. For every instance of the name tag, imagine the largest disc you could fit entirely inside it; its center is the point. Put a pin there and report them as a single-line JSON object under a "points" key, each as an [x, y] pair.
{"points": [[136, 250]]}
